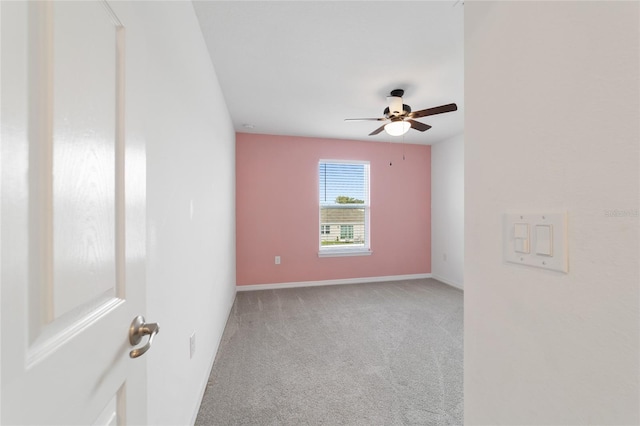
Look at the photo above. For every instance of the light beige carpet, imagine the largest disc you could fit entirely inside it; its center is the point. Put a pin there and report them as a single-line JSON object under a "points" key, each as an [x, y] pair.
{"points": [[367, 354]]}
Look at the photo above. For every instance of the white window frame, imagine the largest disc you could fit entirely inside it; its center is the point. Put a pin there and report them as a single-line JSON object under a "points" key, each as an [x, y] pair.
{"points": [[359, 250]]}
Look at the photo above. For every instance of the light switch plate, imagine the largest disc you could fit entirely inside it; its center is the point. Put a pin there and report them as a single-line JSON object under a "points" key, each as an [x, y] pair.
{"points": [[558, 258]]}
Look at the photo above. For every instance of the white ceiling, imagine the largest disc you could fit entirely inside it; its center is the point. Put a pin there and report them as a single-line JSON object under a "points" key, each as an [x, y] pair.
{"points": [[300, 68]]}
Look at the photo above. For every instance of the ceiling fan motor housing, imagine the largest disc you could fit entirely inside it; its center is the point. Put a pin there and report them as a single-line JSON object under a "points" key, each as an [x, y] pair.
{"points": [[395, 104], [406, 109], [396, 107]]}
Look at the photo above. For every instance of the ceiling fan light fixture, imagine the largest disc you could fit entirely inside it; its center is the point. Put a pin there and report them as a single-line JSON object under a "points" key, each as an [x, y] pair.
{"points": [[397, 128]]}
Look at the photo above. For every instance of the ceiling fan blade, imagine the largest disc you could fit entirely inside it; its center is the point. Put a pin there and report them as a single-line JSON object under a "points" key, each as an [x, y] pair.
{"points": [[419, 126], [433, 111], [364, 119], [378, 130]]}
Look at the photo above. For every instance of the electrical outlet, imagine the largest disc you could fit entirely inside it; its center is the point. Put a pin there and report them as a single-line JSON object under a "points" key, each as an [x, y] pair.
{"points": [[277, 260], [192, 344]]}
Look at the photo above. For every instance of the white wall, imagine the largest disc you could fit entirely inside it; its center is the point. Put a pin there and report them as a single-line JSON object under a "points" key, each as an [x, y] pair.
{"points": [[191, 208], [447, 211], [552, 107]]}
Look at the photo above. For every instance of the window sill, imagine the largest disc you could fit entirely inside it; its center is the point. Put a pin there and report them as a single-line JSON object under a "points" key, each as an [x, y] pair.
{"points": [[344, 252]]}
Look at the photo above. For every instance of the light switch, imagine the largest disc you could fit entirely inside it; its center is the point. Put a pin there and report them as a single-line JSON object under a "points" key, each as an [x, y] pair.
{"points": [[544, 240], [521, 237], [521, 230], [521, 245]]}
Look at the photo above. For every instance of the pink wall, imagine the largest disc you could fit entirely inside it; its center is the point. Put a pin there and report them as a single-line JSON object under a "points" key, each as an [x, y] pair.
{"points": [[277, 209]]}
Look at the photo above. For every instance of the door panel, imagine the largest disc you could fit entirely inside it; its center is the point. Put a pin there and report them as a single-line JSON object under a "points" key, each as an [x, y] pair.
{"points": [[72, 271], [84, 132], [108, 416]]}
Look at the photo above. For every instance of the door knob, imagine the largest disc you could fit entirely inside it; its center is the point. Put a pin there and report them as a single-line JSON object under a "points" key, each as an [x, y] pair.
{"points": [[138, 329]]}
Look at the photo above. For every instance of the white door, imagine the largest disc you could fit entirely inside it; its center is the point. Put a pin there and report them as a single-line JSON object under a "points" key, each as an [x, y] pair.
{"points": [[73, 218]]}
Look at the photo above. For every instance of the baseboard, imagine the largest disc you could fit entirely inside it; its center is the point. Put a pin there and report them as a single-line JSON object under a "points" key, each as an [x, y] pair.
{"points": [[448, 282], [203, 386], [274, 286]]}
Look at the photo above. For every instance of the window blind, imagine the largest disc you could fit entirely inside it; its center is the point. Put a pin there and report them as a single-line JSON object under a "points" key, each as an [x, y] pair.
{"points": [[344, 205]]}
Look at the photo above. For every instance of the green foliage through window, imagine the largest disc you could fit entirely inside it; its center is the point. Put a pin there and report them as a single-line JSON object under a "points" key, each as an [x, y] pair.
{"points": [[343, 199]]}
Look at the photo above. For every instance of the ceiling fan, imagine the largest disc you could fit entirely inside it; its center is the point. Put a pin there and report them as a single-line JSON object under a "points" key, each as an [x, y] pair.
{"points": [[400, 118]]}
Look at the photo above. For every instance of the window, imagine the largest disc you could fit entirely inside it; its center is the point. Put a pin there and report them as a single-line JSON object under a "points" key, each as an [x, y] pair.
{"points": [[346, 232], [344, 208]]}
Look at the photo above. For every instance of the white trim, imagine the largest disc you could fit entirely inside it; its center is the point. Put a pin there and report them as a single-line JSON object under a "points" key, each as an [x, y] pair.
{"points": [[205, 381], [344, 161], [448, 282], [331, 282], [344, 252]]}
